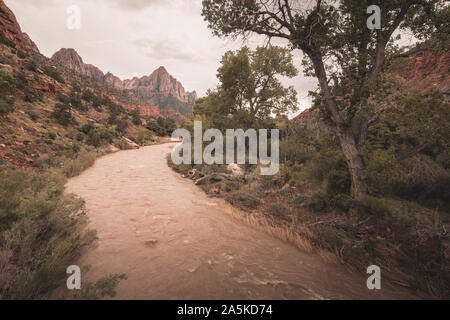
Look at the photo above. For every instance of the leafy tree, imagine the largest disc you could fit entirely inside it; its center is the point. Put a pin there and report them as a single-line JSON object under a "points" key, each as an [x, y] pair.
{"points": [[339, 50], [161, 126], [248, 81]]}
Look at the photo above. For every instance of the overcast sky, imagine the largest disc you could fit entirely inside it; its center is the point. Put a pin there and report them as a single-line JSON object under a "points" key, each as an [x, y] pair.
{"points": [[134, 37]]}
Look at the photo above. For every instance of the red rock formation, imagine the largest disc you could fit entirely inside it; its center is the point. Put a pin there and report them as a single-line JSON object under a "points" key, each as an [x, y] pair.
{"points": [[159, 83], [45, 87], [306, 115], [427, 70], [145, 110], [11, 29], [113, 81], [70, 59]]}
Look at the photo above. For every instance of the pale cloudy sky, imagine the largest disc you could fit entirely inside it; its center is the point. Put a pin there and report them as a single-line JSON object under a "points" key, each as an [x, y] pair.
{"points": [[134, 37]]}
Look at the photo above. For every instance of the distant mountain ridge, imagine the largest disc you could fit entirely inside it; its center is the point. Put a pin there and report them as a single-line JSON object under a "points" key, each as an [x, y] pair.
{"points": [[159, 88]]}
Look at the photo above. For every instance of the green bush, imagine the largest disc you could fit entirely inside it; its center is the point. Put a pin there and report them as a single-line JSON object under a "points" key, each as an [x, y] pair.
{"points": [[84, 160], [244, 197], [277, 210], [318, 202], [63, 114], [31, 95], [143, 136], [53, 73], [338, 182], [88, 96], [40, 233], [6, 106], [7, 84], [21, 54], [99, 136], [135, 117], [161, 126]]}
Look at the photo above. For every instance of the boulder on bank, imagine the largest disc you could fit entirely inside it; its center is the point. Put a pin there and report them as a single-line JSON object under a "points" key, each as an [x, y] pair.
{"points": [[235, 170], [130, 144]]}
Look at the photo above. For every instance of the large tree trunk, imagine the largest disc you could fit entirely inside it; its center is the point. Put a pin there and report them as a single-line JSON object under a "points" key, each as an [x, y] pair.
{"points": [[345, 133], [354, 161]]}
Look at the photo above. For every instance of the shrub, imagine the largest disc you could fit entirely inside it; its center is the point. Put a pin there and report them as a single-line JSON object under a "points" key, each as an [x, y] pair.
{"points": [[318, 202], [40, 233], [32, 95], [161, 126], [136, 117], [6, 106], [7, 84], [104, 287], [63, 114], [100, 136], [53, 73], [338, 182], [75, 101], [21, 54], [87, 96], [277, 210], [121, 124], [84, 160], [31, 65], [143, 136], [86, 128], [244, 197]]}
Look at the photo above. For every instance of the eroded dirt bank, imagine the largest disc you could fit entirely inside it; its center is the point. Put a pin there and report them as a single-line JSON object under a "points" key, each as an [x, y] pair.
{"points": [[174, 242]]}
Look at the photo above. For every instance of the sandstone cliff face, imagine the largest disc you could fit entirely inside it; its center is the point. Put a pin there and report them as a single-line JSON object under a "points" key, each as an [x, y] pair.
{"points": [[159, 83], [427, 70], [113, 81], [70, 59], [11, 29]]}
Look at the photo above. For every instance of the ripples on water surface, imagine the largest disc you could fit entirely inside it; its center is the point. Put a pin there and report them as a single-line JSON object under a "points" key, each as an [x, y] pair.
{"points": [[174, 242]]}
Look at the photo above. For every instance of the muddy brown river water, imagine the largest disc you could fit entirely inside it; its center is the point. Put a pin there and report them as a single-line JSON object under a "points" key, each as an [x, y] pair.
{"points": [[174, 242]]}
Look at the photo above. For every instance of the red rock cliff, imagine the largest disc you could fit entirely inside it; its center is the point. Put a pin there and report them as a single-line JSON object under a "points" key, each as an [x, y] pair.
{"points": [[11, 30]]}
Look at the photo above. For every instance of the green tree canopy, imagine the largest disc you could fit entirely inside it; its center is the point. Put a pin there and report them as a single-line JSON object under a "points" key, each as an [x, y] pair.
{"points": [[249, 86]]}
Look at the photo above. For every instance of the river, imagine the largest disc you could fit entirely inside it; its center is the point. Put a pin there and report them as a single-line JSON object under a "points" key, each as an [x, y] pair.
{"points": [[174, 242]]}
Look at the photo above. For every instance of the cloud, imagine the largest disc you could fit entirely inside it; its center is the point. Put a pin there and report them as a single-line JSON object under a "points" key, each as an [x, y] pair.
{"points": [[140, 4], [164, 50], [41, 3]]}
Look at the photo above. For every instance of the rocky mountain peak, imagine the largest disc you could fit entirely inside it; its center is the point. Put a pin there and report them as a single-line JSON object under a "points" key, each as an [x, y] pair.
{"points": [[69, 58], [10, 28], [161, 70], [160, 84]]}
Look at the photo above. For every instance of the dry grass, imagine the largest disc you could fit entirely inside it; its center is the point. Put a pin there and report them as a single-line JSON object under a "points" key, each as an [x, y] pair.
{"points": [[263, 224]]}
